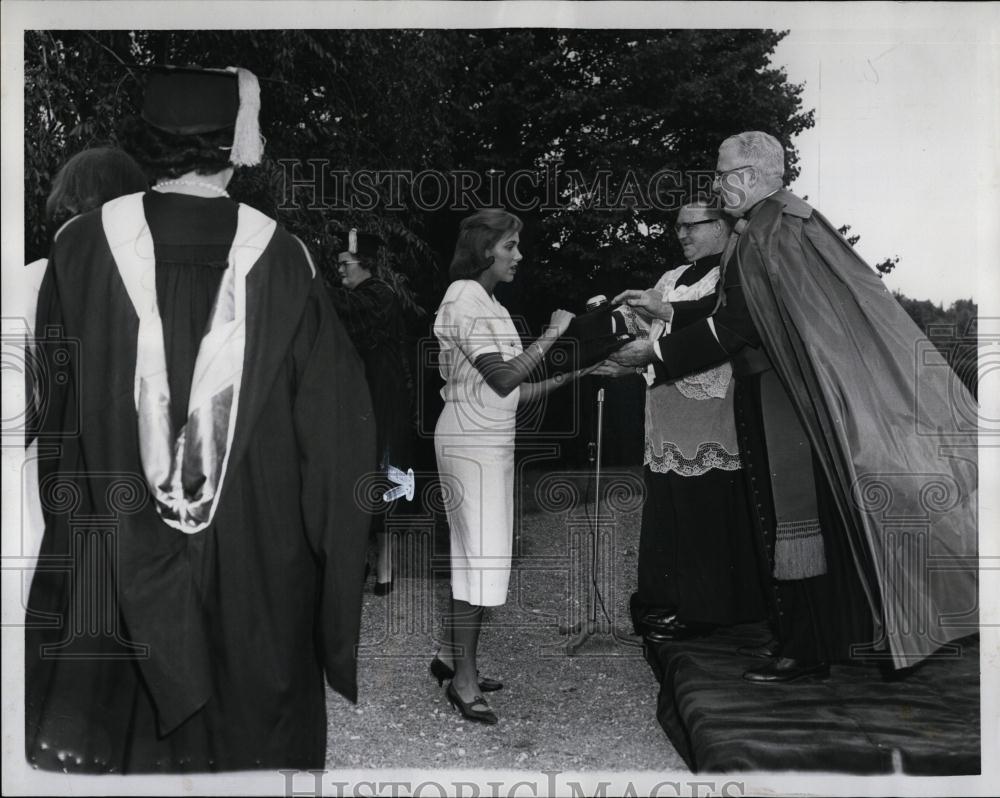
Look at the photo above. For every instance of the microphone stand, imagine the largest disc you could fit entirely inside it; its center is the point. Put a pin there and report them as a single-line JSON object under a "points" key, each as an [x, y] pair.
{"points": [[584, 630]]}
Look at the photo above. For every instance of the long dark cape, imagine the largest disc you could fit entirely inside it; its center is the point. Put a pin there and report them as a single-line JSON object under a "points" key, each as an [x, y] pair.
{"points": [[892, 425]]}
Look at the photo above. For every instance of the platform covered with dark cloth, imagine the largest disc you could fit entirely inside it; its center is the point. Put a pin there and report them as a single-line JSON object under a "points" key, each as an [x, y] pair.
{"points": [[925, 723]]}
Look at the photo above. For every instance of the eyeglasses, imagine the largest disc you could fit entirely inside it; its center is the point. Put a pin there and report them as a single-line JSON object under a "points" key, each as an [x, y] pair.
{"points": [[685, 227], [723, 173]]}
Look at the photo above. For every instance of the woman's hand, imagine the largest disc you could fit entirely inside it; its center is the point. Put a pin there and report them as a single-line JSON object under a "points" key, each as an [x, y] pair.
{"points": [[558, 322], [584, 372], [648, 302], [532, 391]]}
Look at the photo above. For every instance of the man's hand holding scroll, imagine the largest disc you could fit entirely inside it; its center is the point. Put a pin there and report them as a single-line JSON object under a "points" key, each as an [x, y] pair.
{"points": [[648, 303]]}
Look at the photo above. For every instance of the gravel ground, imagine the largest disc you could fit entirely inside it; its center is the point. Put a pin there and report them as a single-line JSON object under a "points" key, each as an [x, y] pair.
{"points": [[591, 712]]}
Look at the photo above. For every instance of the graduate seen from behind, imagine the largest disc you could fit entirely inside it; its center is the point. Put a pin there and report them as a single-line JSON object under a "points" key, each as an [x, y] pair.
{"points": [[214, 414], [486, 373], [85, 182]]}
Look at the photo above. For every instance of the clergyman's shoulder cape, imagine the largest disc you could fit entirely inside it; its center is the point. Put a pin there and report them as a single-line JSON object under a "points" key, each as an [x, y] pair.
{"points": [[893, 426]]}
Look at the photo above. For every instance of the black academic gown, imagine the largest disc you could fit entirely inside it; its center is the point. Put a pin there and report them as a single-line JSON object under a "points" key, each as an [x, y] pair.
{"points": [[152, 650], [373, 317]]}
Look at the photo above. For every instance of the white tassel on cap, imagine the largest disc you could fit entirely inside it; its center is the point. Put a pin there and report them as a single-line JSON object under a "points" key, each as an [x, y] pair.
{"points": [[248, 144], [352, 241]]}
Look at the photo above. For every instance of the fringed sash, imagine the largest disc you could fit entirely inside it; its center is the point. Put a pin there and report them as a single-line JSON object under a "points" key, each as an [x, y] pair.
{"points": [[186, 473], [799, 552]]}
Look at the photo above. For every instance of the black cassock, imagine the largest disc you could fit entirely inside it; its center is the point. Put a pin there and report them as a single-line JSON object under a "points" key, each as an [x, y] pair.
{"points": [[148, 649], [696, 551], [816, 618]]}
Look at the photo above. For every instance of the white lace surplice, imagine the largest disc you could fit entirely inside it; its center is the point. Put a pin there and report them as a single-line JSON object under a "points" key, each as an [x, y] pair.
{"points": [[689, 423]]}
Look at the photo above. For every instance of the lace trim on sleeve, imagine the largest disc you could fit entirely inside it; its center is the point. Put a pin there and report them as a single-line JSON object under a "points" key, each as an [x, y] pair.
{"points": [[710, 384]]}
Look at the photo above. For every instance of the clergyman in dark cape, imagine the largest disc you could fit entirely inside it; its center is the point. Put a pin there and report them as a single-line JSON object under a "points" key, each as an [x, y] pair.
{"points": [[859, 440]]}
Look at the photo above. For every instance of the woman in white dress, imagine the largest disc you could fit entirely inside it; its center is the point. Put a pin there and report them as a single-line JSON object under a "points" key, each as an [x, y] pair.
{"points": [[485, 372]]}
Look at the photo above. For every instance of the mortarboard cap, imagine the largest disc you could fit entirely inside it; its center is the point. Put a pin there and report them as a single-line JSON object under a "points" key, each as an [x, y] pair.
{"points": [[590, 338], [187, 101], [364, 244]]}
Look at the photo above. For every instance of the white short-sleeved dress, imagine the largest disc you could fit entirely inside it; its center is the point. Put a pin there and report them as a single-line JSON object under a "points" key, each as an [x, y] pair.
{"points": [[474, 443]]}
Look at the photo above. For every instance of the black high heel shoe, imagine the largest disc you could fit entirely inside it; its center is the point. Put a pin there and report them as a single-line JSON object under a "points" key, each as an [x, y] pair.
{"points": [[468, 710], [382, 588], [440, 671]]}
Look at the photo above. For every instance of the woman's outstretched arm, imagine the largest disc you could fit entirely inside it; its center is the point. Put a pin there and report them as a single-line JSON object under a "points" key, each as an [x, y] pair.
{"points": [[533, 391], [503, 376]]}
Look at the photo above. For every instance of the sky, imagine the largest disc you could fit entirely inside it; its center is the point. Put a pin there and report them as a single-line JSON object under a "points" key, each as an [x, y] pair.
{"points": [[897, 148]]}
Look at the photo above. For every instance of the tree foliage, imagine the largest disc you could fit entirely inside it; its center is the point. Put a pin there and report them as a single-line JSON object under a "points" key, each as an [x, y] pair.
{"points": [[953, 330], [884, 266], [559, 105], [587, 118]]}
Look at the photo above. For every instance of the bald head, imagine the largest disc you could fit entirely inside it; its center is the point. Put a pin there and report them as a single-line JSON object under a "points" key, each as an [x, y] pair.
{"points": [[702, 229], [751, 165]]}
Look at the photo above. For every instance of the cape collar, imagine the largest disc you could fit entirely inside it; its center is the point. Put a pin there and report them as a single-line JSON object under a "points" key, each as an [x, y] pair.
{"points": [[790, 204]]}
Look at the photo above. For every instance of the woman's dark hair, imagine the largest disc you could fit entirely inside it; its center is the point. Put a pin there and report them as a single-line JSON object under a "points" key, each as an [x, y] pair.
{"points": [[89, 179], [370, 264], [166, 155], [476, 234]]}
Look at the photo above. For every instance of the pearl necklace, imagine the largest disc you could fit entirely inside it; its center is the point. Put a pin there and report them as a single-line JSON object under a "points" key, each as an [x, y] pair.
{"points": [[217, 190]]}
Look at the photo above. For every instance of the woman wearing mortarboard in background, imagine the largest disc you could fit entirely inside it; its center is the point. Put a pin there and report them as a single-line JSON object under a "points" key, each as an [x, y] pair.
{"points": [[371, 313], [213, 413]]}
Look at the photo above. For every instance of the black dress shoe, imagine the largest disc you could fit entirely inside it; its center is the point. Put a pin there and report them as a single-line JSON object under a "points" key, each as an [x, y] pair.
{"points": [[768, 650], [477, 709], [786, 669], [655, 638], [382, 588], [440, 671], [657, 620], [677, 630]]}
